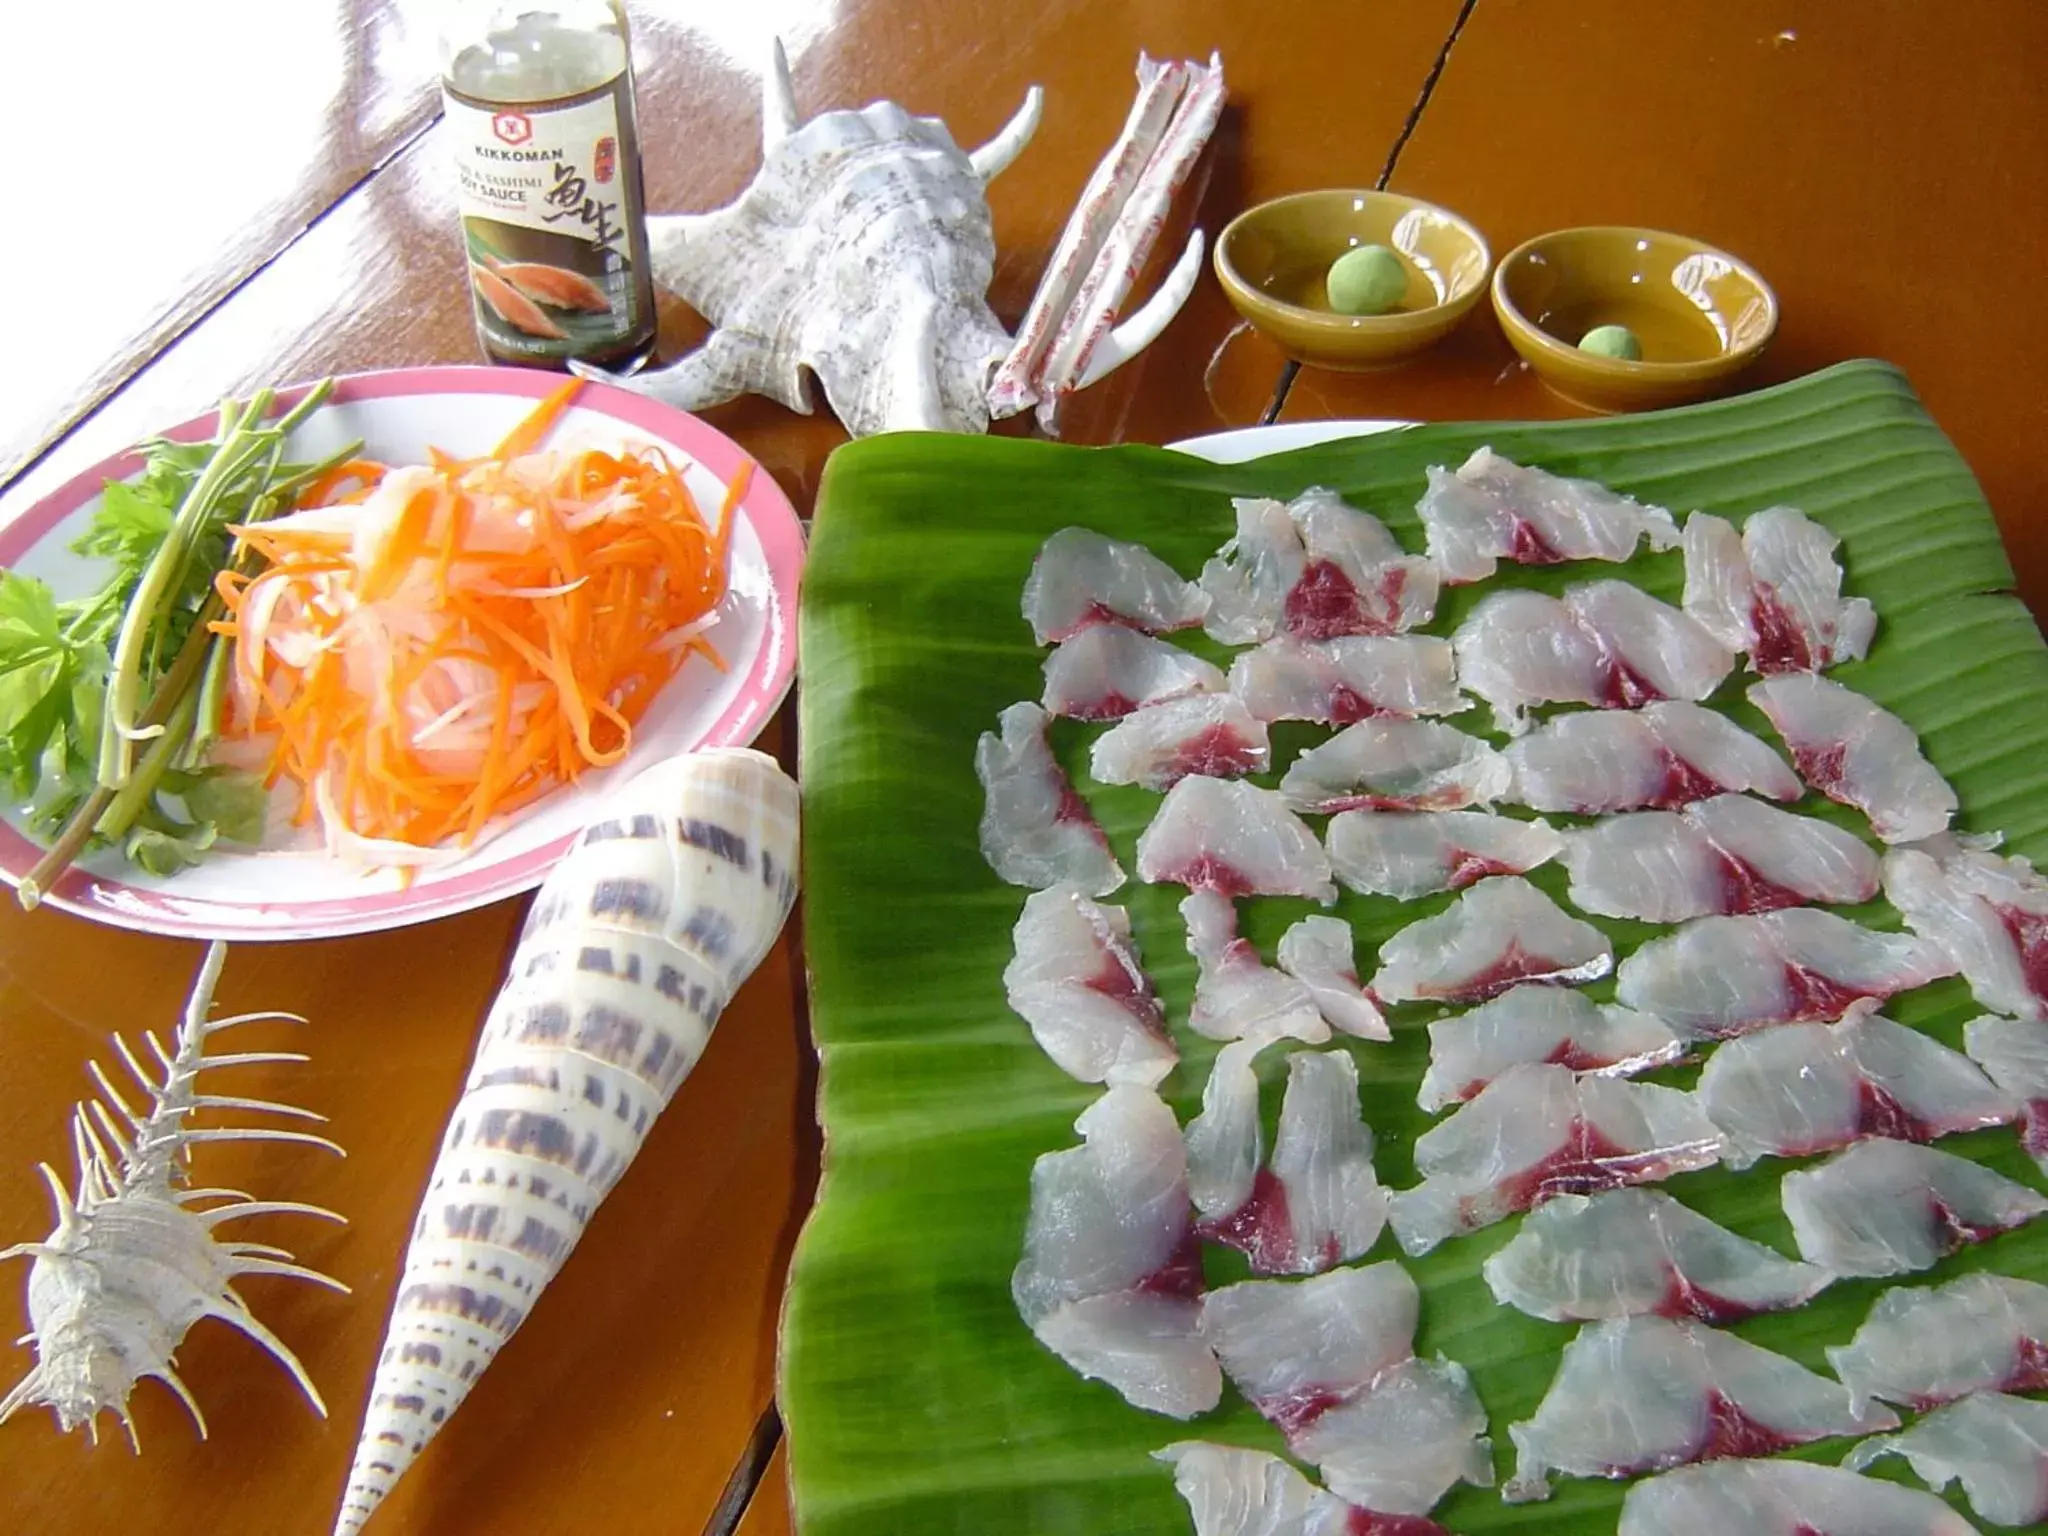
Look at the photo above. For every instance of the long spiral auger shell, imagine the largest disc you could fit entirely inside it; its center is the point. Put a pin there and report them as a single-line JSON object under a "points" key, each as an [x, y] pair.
{"points": [[666, 903], [136, 1258]]}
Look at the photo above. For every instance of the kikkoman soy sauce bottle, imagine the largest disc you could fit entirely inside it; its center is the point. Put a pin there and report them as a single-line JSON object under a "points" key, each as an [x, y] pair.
{"points": [[539, 97]]}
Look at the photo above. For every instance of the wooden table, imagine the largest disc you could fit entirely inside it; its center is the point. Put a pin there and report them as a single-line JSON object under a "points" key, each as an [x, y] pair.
{"points": [[1881, 165]]}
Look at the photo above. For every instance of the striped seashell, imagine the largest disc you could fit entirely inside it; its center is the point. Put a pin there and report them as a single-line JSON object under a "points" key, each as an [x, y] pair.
{"points": [[665, 904], [135, 1260]]}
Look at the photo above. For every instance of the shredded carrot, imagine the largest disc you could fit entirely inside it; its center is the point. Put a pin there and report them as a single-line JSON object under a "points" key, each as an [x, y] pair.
{"points": [[476, 633]]}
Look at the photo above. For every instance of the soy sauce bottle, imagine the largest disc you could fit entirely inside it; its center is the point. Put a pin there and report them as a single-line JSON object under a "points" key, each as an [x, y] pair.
{"points": [[539, 99]]}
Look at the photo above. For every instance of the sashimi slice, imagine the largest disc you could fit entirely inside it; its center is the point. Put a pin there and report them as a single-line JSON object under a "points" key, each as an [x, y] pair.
{"points": [[1518, 649], [1231, 1491], [1318, 953], [1990, 913], [2014, 1055], [1106, 671], [1723, 856], [1643, 1394], [1539, 1131], [1399, 1446], [1351, 678], [1774, 591], [1725, 976], [1630, 1252], [1080, 577], [1927, 1346], [1493, 509], [1211, 734], [1536, 1023], [1320, 1203], [1659, 757], [1395, 765], [1806, 1088], [1237, 995], [1498, 934], [1075, 978], [1358, 580], [1234, 838], [1406, 854], [1654, 648], [1035, 831], [1781, 1498], [1248, 580], [1226, 1143], [1296, 1349], [1996, 1445], [1111, 1274], [1890, 1207], [1858, 754], [1330, 1361]]}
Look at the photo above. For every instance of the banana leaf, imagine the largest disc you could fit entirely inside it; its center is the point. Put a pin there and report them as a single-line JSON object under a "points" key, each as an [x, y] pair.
{"points": [[916, 1399]]}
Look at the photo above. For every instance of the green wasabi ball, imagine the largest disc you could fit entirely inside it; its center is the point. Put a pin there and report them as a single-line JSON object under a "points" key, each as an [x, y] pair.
{"points": [[1612, 341], [1366, 280]]}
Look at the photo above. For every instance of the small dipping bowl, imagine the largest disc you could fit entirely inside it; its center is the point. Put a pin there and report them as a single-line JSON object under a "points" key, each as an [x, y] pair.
{"points": [[1271, 261], [1700, 315]]}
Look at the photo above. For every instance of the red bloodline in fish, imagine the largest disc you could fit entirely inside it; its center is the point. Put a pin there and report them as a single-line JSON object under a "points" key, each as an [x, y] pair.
{"points": [[1448, 799], [1470, 868], [1348, 706], [1515, 966], [1743, 889], [1295, 1413], [1682, 785], [1569, 1053], [1815, 996], [1217, 752], [1116, 982], [1180, 1276], [1953, 1232], [1823, 767], [2030, 1373], [1323, 603], [1623, 687], [1111, 706], [1587, 1164], [1682, 1298], [1527, 546], [1208, 873], [1733, 1433], [1369, 1522], [2034, 1128], [1261, 1228], [1781, 643], [2029, 934]]}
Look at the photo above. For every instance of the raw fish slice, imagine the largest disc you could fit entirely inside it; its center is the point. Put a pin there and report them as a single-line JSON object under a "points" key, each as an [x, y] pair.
{"points": [[1296, 1348], [1081, 578], [1661, 756], [1320, 1202], [1237, 995], [1539, 1131], [1317, 952], [1501, 932], [1225, 1141], [1538, 1023], [1633, 1251], [1724, 976], [1654, 648], [1990, 913], [1399, 1446], [1996, 1445], [1890, 1207], [1076, 980], [1231, 1491], [1856, 753], [1782, 857], [1350, 678], [1035, 831], [1234, 838], [1806, 1088], [1774, 592], [1358, 580], [1111, 1273], [1211, 734], [1493, 509], [1105, 672], [1642, 1394], [1519, 648], [1395, 765], [1924, 1347], [1781, 1498], [2014, 1055], [1406, 854], [1248, 580]]}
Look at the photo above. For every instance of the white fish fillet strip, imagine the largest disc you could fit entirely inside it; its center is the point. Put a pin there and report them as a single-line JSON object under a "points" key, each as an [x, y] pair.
{"points": [[1996, 1445], [1890, 1207], [2014, 1055], [1539, 1023], [1781, 1498], [1923, 1346], [1989, 913]]}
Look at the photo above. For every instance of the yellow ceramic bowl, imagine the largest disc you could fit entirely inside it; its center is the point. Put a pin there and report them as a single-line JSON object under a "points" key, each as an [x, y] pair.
{"points": [[1701, 315], [1271, 260]]}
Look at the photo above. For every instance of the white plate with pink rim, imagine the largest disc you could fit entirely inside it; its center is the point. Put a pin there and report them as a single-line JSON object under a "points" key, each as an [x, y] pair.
{"points": [[1244, 443], [399, 414]]}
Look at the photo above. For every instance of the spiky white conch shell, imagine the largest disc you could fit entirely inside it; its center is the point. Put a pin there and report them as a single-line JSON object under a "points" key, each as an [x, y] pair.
{"points": [[135, 1260], [665, 904]]}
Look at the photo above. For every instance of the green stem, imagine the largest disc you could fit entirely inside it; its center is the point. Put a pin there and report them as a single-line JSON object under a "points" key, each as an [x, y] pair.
{"points": [[133, 797]]}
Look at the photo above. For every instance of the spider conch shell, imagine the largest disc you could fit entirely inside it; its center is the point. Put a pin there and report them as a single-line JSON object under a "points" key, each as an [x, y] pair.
{"points": [[665, 904], [135, 1262]]}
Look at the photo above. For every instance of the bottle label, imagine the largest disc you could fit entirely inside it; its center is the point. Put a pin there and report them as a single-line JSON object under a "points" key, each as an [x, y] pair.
{"points": [[549, 193]]}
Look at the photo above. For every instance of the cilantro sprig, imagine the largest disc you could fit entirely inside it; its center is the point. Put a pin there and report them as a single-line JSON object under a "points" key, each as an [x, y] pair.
{"points": [[110, 702]]}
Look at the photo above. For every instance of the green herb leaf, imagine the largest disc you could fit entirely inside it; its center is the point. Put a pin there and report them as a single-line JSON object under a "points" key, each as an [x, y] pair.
{"points": [[229, 802], [164, 849]]}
